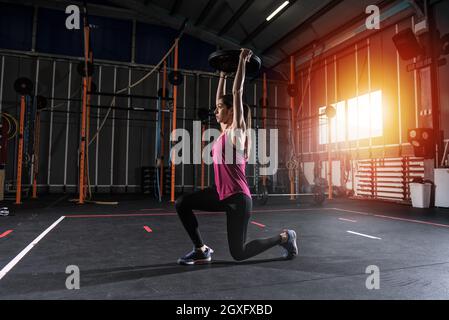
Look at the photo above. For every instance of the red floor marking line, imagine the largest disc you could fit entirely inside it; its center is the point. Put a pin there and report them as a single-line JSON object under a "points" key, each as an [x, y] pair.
{"points": [[172, 213], [258, 224], [119, 215], [151, 209], [4, 234], [411, 220], [347, 220], [133, 215], [147, 228]]}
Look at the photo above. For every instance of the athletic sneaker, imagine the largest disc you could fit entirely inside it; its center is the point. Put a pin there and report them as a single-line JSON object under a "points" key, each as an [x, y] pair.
{"points": [[290, 246], [197, 256]]}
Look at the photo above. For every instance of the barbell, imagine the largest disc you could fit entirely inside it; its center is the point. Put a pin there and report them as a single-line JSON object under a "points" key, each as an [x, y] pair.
{"points": [[317, 195]]}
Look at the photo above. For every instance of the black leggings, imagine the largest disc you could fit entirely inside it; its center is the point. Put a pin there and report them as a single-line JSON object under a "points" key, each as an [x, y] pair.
{"points": [[237, 208]]}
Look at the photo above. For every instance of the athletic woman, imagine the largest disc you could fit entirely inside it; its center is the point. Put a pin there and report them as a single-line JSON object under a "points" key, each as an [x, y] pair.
{"points": [[231, 192]]}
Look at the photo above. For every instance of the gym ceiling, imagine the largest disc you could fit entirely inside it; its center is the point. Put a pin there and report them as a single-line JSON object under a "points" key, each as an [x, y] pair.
{"points": [[232, 24]]}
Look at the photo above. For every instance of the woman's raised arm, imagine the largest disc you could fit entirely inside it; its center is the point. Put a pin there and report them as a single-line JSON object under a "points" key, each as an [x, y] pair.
{"points": [[237, 89]]}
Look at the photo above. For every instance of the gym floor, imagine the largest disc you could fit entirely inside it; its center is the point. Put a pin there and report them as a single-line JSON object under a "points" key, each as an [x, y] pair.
{"points": [[129, 251]]}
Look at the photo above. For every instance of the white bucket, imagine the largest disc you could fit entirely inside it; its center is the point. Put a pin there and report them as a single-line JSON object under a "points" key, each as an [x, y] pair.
{"points": [[420, 194]]}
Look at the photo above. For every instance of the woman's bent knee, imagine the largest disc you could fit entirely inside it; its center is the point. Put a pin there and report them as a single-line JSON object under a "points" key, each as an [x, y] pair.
{"points": [[180, 204], [237, 254]]}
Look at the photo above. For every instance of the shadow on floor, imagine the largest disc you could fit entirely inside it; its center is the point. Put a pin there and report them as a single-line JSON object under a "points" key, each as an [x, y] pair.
{"points": [[102, 276]]}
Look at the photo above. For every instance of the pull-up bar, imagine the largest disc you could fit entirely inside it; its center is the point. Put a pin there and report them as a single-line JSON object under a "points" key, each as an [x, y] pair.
{"points": [[135, 108], [124, 95]]}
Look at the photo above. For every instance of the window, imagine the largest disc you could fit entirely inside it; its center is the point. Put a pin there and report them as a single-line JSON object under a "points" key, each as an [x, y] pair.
{"points": [[357, 118]]}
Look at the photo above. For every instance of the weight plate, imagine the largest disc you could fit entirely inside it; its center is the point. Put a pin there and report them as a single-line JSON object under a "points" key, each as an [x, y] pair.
{"points": [[228, 61], [23, 86]]}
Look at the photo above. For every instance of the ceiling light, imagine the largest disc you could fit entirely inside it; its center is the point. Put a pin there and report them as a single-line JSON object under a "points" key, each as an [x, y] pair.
{"points": [[275, 12]]}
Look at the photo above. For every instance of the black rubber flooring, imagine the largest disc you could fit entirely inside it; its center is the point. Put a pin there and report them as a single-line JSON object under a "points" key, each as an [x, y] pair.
{"points": [[129, 251]]}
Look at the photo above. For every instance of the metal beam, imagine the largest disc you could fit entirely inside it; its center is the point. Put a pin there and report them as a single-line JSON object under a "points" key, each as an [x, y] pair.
{"points": [[205, 12], [265, 24], [175, 6], [235, 17]]}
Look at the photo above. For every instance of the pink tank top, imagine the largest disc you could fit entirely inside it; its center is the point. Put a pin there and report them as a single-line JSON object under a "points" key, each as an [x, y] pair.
{"points": [[229, 168]]}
